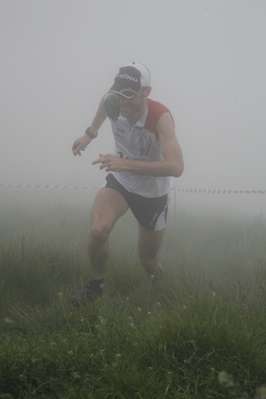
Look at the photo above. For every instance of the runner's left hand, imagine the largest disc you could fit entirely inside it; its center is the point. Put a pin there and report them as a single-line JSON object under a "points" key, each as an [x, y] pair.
{"points": [[110, 163]]}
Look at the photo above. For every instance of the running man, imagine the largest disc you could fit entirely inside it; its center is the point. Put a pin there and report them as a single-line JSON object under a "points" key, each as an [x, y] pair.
{"points": [[147, 153]]}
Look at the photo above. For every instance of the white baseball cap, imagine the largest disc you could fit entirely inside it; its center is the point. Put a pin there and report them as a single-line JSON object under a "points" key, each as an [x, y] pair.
{"points": [[130, 78]]}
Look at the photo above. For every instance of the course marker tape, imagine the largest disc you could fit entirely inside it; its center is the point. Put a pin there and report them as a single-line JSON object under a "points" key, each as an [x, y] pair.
{"points": [[180, 190], [219, 191]]}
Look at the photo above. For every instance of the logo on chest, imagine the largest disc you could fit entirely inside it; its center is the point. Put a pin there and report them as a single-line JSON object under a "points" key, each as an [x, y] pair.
{"points": [[119, 132], [136, 140]]}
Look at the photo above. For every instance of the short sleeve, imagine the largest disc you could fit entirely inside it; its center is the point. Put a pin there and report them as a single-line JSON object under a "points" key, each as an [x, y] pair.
{"points": [[112, 107]]}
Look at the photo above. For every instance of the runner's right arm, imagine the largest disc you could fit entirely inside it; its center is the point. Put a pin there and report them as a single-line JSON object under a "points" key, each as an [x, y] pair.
{"points": [[81, 143]]}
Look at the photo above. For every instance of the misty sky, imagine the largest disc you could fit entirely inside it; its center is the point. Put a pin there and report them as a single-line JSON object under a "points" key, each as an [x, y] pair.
{"points": [[207, 59]]}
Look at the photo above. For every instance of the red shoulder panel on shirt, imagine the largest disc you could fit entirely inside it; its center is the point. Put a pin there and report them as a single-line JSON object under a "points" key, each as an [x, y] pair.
{"points": [[155, 111]]}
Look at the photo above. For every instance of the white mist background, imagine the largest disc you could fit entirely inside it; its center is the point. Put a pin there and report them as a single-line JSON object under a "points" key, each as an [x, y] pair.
{"points": [[207, 59]]}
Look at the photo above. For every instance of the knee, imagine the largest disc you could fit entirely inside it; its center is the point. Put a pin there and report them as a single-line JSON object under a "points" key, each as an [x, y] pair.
{"points": [[98, 234]]}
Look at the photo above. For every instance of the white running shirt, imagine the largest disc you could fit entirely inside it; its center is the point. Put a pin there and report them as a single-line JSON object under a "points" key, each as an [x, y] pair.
{"points": [[140, 142]]}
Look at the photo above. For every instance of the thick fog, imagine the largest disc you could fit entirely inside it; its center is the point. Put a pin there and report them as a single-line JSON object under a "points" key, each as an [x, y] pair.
{"points": [[207, 60]]}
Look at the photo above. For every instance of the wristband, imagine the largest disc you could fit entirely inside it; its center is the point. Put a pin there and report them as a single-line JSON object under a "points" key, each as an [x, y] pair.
{"points": [[91, 135]]}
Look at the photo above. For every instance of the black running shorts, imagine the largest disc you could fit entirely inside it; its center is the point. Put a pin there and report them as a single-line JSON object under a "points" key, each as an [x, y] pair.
{"points": [[151, 213]]}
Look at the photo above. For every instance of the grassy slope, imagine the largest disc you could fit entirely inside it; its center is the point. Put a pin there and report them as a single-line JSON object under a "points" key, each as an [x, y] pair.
{"points": [[141, 341]]}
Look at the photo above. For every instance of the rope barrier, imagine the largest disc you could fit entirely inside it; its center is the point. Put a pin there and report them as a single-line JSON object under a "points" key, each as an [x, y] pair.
{"points": [[179, 190], [45, 186], [219, 191]]}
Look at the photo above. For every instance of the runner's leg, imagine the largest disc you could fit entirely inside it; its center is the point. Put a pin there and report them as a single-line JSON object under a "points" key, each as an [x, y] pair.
{"points": [[108, 206], [149, 243]]}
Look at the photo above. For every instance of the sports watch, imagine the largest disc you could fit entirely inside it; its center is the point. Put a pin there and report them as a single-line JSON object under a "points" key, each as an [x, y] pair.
{"points": [[91, 135]]}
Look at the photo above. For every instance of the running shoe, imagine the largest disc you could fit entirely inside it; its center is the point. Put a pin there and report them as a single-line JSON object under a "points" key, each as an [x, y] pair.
{"points": [[90, 294]]}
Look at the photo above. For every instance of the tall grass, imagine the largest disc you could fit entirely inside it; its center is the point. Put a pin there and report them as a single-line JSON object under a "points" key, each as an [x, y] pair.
{"points": [[141, 341]]}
